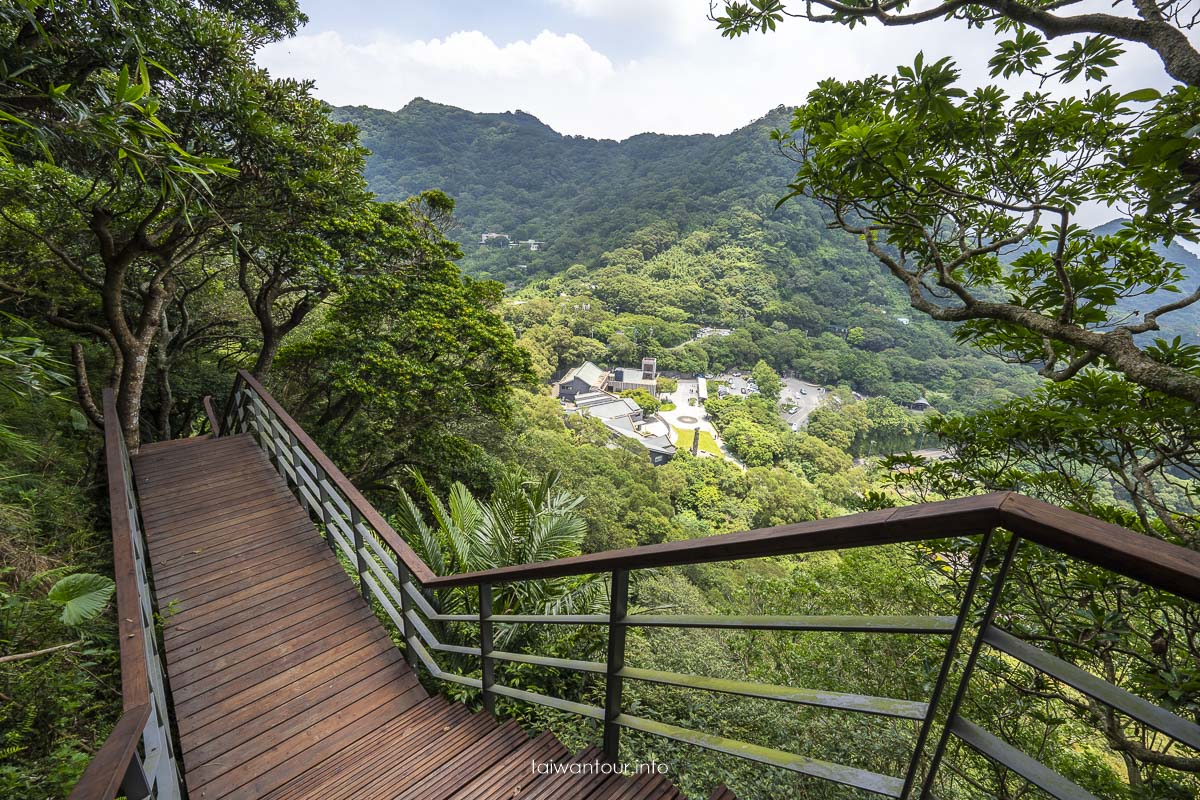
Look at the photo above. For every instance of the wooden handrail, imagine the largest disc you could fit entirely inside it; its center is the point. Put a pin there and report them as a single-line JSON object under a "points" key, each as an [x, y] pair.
{"points": [[419, 569], [1154, 562], [930, 521], [214, 423], [104, 774]]}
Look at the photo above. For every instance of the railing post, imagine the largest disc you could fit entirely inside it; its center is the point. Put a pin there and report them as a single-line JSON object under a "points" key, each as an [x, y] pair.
{"points": [[969, 668], [403, 579], [267, 428], [229, 418], [299, 469], [360, 560], [618, 605], [326, 514], [952, 653], [487, 663], [253, 423]]}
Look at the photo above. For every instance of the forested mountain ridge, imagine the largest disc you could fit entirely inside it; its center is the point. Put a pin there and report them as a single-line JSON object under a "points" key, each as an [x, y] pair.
{"points": [[511, 173], [658, 235]]}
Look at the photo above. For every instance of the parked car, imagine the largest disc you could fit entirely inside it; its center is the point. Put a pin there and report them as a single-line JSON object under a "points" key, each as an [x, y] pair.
{"points": [[803, 391], [795, 427]]}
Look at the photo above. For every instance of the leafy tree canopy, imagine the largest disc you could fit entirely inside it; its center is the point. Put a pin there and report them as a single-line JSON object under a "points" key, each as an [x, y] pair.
{"points": [[940, 182]]}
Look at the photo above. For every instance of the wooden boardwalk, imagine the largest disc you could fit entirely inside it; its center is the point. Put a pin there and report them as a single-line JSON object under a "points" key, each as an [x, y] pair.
{"points": [[283, 682]]}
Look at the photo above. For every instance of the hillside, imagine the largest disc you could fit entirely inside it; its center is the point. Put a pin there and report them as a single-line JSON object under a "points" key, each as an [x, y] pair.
{"points": [[511, 173], [650, 238]]}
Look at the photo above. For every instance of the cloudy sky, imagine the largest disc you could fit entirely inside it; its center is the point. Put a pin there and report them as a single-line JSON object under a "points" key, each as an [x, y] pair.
{"points": [[604, 68]]}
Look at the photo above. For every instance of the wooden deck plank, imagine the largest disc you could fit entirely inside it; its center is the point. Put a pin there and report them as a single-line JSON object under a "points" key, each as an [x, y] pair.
{"points": [[461, 767], [375, 751], [357, 775], [253, 677], [180, 633], [250, 643], [203, 539], [255, 542], [256, 628], [509, 777], [274, 724], [284, 683], [237, 575], [382, 743], [424, 756]]}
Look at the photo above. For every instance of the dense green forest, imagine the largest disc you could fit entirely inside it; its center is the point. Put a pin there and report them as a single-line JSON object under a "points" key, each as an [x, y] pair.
{"points": [[152, 242], [651, 238]]}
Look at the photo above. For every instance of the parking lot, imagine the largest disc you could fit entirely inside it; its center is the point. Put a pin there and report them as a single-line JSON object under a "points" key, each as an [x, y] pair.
{"points": [[804, 396]]}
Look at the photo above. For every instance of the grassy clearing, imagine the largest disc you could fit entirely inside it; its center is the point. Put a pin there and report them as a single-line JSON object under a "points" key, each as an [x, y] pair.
{"points": [[707, 443]]}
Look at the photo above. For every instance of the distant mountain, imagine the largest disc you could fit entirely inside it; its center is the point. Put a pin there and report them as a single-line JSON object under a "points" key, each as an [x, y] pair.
{"points": [[579, 198], [510, 173], [1184, 323]]}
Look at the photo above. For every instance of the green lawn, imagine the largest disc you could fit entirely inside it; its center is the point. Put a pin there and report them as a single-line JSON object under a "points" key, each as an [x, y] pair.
{"points": [[707, 443]]}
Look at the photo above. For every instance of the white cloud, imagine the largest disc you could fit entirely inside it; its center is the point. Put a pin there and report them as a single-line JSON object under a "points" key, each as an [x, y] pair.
{"points": [[548, 55], [464, 68], [708, 85]]}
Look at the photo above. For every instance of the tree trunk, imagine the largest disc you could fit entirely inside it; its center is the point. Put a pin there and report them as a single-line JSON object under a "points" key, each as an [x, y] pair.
{"points": [[266, 352]]}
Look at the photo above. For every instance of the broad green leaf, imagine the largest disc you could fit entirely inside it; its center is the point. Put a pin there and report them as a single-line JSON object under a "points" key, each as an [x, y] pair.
{"points": [[1140, 96], [82, 596]]}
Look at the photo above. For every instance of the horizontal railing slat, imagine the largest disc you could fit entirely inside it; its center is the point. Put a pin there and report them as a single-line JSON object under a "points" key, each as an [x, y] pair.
{"points": [[849, 776], [433, 642], [845, 624], [428, 662], [1028, 768], [547, 661], [551, 619], [1142, 710], [866, 704], [582, 709]]}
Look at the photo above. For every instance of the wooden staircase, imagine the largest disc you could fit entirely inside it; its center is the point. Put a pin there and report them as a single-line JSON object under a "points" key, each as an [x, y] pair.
{"points": [[283, 682]]}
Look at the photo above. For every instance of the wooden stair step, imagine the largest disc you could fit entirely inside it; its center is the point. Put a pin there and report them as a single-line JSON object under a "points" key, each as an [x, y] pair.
{"points": [[285, 684], [509, 776]]}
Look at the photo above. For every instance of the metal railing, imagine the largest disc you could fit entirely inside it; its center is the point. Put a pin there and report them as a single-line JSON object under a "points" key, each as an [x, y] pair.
{"points": [[391, 574], [138, 758]]}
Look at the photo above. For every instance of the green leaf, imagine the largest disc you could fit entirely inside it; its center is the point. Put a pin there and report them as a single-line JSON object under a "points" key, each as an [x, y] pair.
{"points": [[1140, 96], [82, 596]]}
